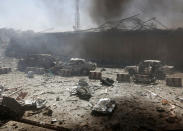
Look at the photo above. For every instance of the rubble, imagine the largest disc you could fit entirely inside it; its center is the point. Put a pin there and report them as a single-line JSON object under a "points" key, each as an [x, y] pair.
{"points": [[107, 81], [95, 75], [123, 77], [105, 106], [30, 74], [5, 70], [174, 82], [83, 90]]}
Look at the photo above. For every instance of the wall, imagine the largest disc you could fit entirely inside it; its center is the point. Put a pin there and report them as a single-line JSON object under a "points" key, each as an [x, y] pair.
{"points": [[113, 47]]}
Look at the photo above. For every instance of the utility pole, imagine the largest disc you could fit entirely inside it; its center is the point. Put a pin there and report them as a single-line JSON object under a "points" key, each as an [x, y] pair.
{"points": [[77, 16]]}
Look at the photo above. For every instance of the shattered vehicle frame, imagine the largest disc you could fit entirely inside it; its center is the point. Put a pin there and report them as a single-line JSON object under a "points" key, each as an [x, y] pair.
{"points": [[45, 61], [150, 67], [77, 66]]}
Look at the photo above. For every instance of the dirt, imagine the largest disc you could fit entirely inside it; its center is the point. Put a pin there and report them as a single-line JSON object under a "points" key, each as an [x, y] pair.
{"points": [[139, 107]]}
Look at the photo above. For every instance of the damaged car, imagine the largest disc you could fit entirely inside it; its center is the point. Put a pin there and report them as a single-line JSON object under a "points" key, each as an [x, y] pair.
{"points": [[77, 66], [150, 66]]}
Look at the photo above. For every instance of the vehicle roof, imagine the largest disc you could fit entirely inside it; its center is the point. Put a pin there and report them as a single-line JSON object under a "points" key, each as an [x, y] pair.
{"points": [[154, 61], [76, 59]]}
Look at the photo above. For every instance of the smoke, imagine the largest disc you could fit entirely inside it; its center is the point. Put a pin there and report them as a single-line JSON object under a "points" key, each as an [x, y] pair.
{"points": [[103, 10], [58, 15], [168, 12]]}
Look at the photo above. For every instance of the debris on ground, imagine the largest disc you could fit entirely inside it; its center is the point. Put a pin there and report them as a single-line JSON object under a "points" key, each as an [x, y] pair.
{"points": [[164, 102], [30, 74], [160, 109], [36, 70], [10, 108], [107, 81], [105, 106], [83, 90], [48, 112], [95, 75], [22, 95], [35, 104], [103, 69], [5, 70], [53, 120], [174, 82], [123, 77]]}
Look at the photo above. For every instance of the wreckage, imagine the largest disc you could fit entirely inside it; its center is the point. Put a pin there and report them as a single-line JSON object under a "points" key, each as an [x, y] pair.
{"points": [[77, 66], [46, 63], [149, 71]]}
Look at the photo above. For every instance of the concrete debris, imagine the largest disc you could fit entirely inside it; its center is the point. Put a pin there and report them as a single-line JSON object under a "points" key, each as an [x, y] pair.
{"points": [[30, 74], [95, 75], [105, 106], [123, 77], [144, 79], [107, 81], [174, 82]]}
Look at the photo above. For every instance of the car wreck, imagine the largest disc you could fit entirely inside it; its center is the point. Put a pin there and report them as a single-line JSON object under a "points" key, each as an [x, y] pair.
{"points": [[148, 71], [77, 66]]}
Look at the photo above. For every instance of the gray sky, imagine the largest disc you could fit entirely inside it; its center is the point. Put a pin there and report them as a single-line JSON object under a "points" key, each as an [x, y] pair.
{"points": [[58, 15]]}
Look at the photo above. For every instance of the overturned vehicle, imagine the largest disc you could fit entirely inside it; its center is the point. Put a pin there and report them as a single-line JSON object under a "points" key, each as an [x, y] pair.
{"points": [[148, 71]]}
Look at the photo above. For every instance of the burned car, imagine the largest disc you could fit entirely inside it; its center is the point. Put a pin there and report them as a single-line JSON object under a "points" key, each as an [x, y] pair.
{"points": [[77, 66], [149, 70], [45, 61]]}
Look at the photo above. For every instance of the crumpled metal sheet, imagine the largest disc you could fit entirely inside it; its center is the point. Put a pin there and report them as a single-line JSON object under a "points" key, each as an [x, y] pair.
{"points": [[104, 106]]}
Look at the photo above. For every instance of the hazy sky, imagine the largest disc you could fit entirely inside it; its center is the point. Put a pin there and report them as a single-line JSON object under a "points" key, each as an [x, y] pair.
{"points": [[41, 15], [58, 15]]}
